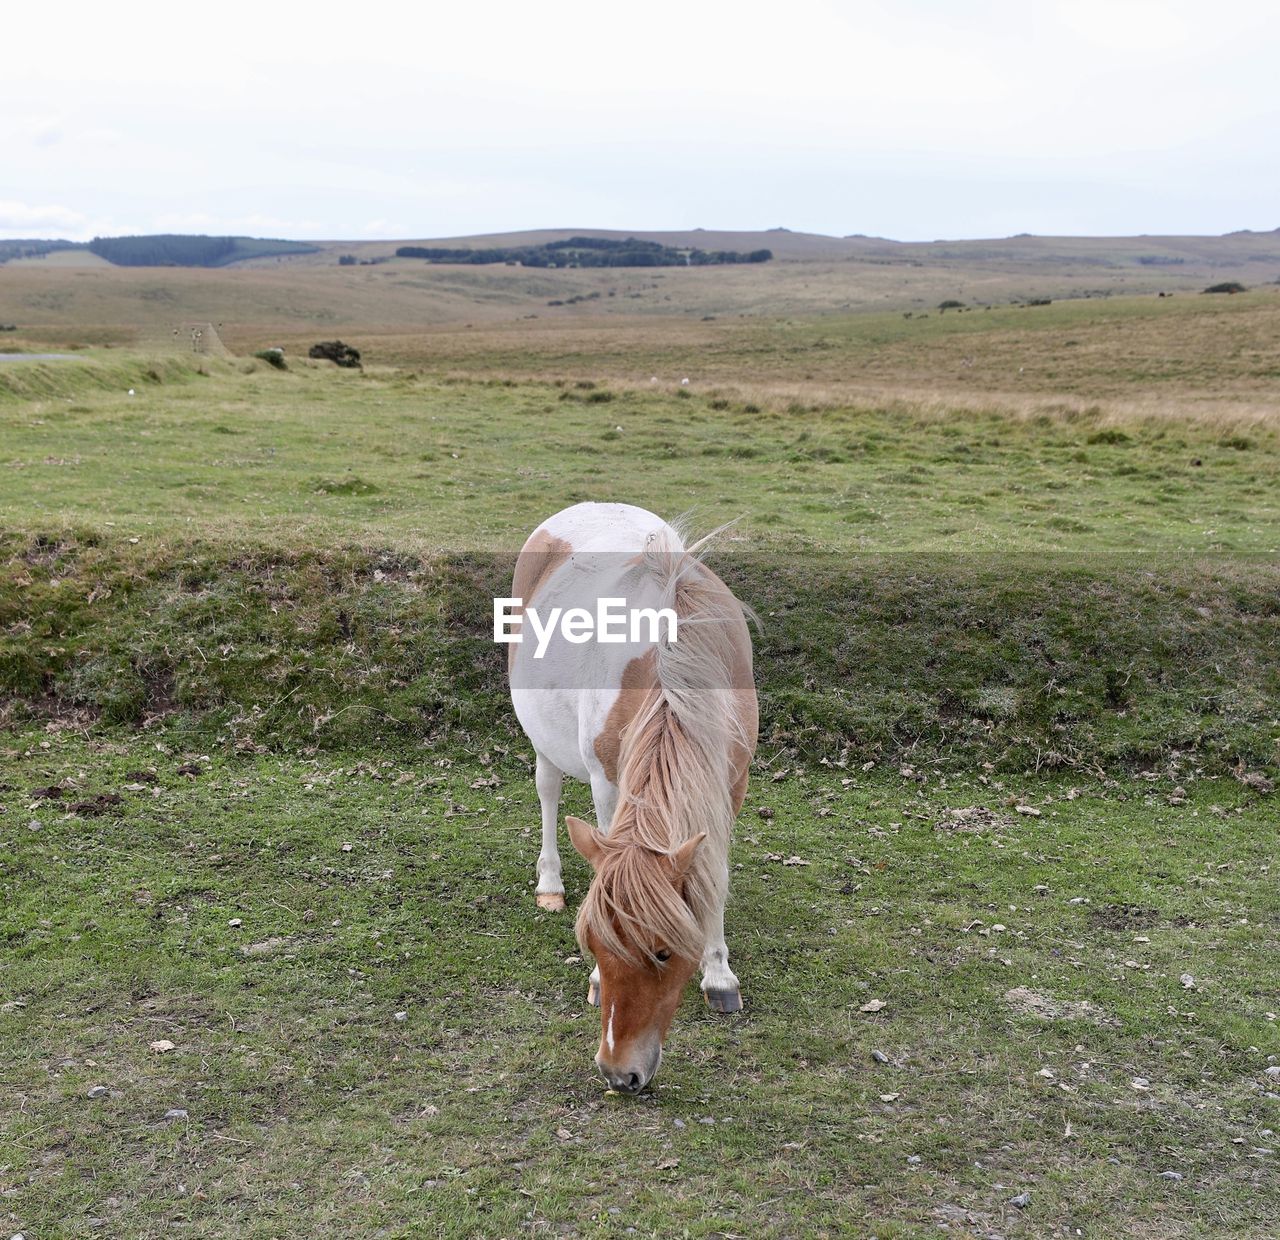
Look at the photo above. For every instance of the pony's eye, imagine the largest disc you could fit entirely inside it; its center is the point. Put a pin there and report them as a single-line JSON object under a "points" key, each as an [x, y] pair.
{"points": [[662, 956]]}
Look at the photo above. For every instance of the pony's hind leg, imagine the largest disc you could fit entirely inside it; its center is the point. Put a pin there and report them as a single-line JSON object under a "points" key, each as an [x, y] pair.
{"points": [[549, 779], [719, 984]]}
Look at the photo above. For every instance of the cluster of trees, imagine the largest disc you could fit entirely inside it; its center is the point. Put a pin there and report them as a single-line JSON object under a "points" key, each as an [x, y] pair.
{"points": [[604, 243], [177, 250], [586, 252], [710, 258]]}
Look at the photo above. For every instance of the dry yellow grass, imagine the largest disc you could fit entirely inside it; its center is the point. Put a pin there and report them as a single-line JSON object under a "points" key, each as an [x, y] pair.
{"points": [[1210, 359]]}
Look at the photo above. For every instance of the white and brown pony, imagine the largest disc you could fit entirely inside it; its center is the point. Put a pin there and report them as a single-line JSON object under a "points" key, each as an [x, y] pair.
{"points": [[663, 730]]}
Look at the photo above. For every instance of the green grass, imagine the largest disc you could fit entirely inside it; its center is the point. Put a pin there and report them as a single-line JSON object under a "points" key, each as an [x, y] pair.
{"points": [[315, 456], [384, 885]]}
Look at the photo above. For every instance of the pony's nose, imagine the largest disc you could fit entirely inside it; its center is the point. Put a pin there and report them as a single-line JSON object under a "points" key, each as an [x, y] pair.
{"points": [[623, 1082]]}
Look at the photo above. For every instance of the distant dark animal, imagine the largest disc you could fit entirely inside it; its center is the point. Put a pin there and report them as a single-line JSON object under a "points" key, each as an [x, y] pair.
{"points": [[336, 352]]}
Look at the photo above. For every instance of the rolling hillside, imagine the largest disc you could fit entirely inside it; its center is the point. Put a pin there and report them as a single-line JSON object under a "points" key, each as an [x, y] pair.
{"points": [[1235, 250], [296, 299]]}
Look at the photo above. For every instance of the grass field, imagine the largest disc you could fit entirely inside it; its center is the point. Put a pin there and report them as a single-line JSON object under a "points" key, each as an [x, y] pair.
{"points": [[270, 917], [261, 797]]}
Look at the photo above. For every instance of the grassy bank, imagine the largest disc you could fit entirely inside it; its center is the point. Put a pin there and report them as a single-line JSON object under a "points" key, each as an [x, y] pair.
{"points": [[1078, 661]]}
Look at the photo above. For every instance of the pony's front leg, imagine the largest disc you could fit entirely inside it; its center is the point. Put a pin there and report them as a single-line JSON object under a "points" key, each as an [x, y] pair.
{"points": [[550, 890], [719, 985], [605, 795]]}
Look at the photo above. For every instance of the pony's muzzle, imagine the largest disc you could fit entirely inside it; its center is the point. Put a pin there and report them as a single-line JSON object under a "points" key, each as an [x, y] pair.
{"points": [[624, 1078]]}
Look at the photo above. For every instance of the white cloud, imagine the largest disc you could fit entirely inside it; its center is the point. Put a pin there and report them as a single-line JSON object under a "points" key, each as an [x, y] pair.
{"points": [[219, 225], [22, 219]]}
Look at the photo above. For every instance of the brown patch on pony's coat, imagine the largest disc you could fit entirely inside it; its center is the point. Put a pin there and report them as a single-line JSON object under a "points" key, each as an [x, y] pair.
{"points": [[541, 555], [639, 681]]}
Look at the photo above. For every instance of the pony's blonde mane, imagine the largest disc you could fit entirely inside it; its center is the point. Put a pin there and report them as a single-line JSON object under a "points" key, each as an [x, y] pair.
{"points": [[676, 769]]}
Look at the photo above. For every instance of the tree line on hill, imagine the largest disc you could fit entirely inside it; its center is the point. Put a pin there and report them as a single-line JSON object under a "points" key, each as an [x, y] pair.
{"points": [[585, 252], [176, 250]]}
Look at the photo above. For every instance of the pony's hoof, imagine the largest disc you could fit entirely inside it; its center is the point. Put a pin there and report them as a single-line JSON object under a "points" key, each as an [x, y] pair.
{"points": [[552, 901], [593, 994], [723, 1000]]}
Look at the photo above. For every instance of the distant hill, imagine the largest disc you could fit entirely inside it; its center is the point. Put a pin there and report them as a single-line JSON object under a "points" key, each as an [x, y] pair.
{"points": [[33, 247], [342, 287], [161, 249], [1025, 251], [1243, 248]]}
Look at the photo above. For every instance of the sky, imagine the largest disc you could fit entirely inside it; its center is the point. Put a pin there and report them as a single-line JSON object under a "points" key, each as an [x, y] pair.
{"points": [[911, 119]]}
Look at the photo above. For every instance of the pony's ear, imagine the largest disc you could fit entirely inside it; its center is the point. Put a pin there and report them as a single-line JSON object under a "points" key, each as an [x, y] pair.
{"points": [[586, 839], [683, 856]]}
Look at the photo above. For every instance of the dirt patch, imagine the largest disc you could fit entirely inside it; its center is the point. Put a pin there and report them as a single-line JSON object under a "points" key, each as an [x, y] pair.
{"points": [[268, 947], [95, 806], [56, 713], [1123, 917], [970, 1222], [46, 552], [1039, 1006], [972, 818]]}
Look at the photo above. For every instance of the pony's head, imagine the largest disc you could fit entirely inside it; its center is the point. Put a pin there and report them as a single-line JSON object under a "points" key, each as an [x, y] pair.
{"points": [[647, 944]]}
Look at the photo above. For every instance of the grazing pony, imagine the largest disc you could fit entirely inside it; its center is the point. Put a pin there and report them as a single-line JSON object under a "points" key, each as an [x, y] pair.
{"points": [[663, 730]]}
